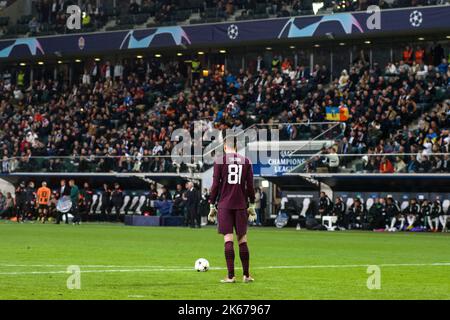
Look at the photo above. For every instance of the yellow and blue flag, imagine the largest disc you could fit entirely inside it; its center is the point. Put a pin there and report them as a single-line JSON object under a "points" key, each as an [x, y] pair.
{"points": [[336, 113]]}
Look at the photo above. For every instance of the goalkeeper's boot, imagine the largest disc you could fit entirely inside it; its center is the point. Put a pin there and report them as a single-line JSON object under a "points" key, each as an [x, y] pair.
{"points": [[228, 280], [247, 279]]}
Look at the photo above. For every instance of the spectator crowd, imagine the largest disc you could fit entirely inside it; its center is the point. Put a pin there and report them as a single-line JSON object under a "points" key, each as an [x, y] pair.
{"points": [[120, 116]]}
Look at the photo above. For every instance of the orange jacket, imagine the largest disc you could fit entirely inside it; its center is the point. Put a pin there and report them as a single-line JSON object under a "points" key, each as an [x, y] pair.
{"points": [[407, 56], [419, 55], [43, 195]]}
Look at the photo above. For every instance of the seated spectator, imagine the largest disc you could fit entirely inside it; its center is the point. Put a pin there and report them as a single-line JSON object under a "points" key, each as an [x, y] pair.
{"points": [[33, 25]]}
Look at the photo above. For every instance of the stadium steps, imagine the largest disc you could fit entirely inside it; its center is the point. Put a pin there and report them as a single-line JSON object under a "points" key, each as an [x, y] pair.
{"points": [[111, 24], [237, 13]]}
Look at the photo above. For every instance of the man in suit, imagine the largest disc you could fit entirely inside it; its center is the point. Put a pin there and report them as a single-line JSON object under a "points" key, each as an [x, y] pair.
{"points": [[192, 205]]}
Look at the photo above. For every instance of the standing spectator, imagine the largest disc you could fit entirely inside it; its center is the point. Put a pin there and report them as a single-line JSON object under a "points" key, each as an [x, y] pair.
{"points": [[117, 200], [106, 201], [20, 202], [33, 26], [408, 55], [178, 202], [192, 204], [75, 198], [30, 205], [333, 160], [87, 195], [204, 206]]}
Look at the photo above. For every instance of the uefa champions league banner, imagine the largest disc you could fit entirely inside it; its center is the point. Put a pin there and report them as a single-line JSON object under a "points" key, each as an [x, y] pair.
{"points": [[341, 24], [285, 163]]}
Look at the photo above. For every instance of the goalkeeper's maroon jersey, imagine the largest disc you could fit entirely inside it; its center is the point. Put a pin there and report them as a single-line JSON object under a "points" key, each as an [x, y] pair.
{"points": [[232, 182]]}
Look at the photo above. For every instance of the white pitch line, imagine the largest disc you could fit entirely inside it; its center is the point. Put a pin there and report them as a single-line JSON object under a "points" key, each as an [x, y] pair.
{"points": [[84, 266], [169, 269]]}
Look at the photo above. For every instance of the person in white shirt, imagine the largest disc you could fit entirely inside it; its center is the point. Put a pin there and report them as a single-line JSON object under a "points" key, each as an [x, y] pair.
{"points": [[118, 70], [157, 149]]}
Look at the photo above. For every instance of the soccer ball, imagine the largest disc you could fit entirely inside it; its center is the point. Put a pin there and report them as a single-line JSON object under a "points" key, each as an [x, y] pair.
{"points": [[415, 18], [201, 265]]}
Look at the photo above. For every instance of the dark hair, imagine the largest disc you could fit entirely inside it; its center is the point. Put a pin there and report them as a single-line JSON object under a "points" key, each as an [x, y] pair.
{"points": [[231, 142]]}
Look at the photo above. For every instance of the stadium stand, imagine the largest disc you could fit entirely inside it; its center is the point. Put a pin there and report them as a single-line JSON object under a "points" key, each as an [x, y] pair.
{"points": [[123, 122], [117, 114]]}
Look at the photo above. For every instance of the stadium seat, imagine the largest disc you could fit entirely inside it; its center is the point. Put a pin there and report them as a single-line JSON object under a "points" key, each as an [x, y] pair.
{"points": [[284, 200], [306, 204], [404, 205], [445, 206], [126, 199], [94, 206], [141, 203], [369, 203], [133, 204], [99, 206], [349, 202]]}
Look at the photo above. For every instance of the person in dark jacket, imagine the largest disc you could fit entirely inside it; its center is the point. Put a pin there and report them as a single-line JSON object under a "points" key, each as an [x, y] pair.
{"points": [[412, 213], [75, 198], [117, 200], [393, 214], [339, 210], [325, 204], [86, 198], [178, 201], [30, 204], [106, 201], [376, 214], [358, 213], [20, 202], [192, 205]]}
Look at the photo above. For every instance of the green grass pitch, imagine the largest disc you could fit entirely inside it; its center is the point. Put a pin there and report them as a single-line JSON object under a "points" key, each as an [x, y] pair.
{"points": [[119, 262]]}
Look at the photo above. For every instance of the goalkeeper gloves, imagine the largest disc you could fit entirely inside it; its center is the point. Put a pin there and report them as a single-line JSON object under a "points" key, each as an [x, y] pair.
{"points": [[212, 213], [251, 212]]}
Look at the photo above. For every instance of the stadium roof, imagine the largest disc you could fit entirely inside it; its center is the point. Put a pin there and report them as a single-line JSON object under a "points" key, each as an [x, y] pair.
{"points": [[131, 180]]}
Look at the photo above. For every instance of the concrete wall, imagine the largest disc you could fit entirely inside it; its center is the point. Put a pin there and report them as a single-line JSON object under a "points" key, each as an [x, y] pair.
{"points": [[6, 186]]}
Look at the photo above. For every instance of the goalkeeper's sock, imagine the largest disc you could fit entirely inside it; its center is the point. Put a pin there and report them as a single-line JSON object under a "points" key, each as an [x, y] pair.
{"points": [[229, 257], [244, 254]]}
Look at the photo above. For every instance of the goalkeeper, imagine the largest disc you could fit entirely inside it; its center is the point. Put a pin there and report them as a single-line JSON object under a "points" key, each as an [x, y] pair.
{"points": [[233, 180]]}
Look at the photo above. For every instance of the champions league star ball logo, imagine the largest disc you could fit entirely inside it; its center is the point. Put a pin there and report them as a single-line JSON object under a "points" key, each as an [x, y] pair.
{"points": [[233, 31], [415, 18]]}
